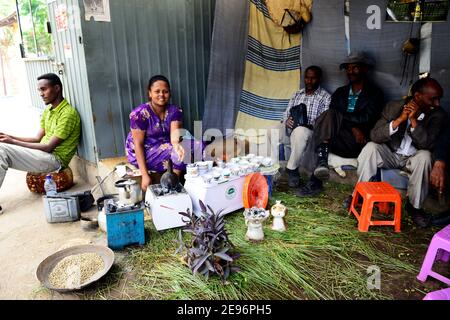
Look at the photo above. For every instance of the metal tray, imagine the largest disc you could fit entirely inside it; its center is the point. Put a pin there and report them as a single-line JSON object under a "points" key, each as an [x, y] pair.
{"points": [[45, 267]]}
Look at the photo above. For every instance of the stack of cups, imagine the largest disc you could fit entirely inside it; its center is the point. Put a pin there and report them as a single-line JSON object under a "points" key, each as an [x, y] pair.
{"points": [[192, 170], [202, 167]]}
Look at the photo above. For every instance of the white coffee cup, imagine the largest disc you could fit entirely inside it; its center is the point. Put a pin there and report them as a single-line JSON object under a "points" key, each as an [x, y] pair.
{"points": [[235, 160], [207, 178], [267, 162], [235, 170], [254, 166], [244, 163], [220, 163], [210, 164], [226, 173], [192, 170]]}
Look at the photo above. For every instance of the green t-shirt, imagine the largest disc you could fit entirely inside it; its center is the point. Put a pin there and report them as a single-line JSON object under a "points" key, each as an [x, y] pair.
{"points": [[64, 123]]}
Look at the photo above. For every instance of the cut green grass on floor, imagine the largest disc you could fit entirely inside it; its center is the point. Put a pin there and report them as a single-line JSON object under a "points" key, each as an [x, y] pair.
{"points": [[321, 256]]}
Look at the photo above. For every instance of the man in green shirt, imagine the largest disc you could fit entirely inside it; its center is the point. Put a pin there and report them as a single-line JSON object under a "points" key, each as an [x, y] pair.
{"points": [[56, 141]]}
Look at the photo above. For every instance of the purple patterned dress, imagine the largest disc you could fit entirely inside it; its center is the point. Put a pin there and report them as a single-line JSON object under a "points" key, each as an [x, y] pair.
{"points": [[157, 146]]}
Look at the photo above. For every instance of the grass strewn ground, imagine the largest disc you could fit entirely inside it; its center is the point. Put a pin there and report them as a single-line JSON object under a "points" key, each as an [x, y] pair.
{"points": [[321, 256]]}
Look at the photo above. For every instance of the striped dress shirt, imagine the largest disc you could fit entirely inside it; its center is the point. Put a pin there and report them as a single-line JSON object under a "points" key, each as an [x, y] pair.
{"points": [[316, 103]]}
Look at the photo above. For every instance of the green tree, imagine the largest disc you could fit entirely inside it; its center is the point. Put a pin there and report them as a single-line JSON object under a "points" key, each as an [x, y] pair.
{"points": [[6, 8], [40, 17]]}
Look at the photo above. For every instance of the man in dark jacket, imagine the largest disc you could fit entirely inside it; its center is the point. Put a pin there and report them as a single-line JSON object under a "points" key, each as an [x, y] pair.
{"points": [[344, 128], [404, 138], [440, 171]]}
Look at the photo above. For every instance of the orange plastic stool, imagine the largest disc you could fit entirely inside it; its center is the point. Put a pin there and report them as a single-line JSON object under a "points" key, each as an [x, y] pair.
{"points": [[381, 193]]}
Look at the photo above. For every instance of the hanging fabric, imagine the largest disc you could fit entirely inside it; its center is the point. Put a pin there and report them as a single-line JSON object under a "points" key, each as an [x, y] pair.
{"points": [[272, 72], [226, 70]]}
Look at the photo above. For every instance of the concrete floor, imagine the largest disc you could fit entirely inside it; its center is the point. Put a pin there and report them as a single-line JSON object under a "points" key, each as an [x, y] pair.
{"points": [[25, 236]]}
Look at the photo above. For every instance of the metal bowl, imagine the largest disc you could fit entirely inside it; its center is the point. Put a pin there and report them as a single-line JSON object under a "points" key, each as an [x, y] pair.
{"points": [[46, 267]]}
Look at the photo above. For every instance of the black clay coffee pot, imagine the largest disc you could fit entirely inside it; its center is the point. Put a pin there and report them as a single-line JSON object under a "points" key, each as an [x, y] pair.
{"points": [[169, 180]]}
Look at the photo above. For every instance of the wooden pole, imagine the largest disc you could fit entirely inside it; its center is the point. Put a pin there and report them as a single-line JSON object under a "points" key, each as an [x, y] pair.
{"points": [[2, 66]]}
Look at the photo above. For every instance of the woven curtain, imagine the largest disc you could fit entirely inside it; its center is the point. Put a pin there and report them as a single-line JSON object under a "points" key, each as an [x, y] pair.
{"points": [[272, 71]]}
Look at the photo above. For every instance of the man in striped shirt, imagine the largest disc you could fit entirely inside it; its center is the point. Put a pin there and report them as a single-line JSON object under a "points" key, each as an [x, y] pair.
{"points": [[316, 100], [56, 141]]}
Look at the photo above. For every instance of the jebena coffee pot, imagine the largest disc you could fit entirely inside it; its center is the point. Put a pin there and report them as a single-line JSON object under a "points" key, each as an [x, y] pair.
{"points": [[169, 180]]}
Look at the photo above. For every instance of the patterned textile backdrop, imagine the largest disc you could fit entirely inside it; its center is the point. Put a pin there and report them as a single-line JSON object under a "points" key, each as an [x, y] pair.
{"points": [[272, 72]]}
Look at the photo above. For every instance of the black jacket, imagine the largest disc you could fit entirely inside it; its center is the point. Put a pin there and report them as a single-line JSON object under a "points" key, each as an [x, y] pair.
{"points": [[368, 107], [442, 148]]}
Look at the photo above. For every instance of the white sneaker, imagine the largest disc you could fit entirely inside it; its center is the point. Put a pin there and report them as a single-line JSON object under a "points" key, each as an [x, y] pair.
{"points": [[340, 172]]}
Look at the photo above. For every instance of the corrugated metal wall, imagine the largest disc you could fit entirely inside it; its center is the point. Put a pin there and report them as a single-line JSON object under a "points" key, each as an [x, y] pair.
{"points": [[35, 68], [70, 59], [144, 38]]}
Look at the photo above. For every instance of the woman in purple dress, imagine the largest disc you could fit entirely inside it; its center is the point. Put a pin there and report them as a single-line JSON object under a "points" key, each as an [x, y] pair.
{"points": [[155, 133]]}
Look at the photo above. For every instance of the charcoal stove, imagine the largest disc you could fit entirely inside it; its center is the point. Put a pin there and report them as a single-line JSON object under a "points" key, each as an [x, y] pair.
{"points": [[164, 205]]}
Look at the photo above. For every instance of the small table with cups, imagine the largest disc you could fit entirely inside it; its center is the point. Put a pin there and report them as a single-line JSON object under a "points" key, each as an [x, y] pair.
{"points": [[221, 187]]}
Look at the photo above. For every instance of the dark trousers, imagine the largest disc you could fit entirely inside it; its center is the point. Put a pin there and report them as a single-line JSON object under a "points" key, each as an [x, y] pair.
{"points": [[332, 127]]}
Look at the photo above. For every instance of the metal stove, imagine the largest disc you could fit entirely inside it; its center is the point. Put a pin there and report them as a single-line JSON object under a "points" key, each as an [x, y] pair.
{"points": [[164, 206]]}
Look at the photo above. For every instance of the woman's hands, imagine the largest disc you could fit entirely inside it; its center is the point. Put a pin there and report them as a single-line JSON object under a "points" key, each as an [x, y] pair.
{"points": [[179, 150], [146, 181], [175, 137]]}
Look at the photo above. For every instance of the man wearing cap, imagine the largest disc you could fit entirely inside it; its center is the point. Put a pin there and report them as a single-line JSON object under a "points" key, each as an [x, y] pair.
{"points": [[404, 138], [344, 128]]}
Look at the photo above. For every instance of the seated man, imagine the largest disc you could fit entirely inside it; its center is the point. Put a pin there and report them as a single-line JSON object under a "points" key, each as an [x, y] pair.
{"points": [[316, 100], [344, 129], [56, 141], [439, 173], [404, 138]]}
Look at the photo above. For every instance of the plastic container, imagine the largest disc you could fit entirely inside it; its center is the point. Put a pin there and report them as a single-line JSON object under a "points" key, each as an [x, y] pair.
{"points": [[61, 209], [50, 186], [102, 220]]}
